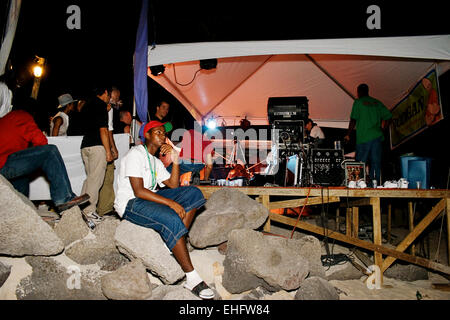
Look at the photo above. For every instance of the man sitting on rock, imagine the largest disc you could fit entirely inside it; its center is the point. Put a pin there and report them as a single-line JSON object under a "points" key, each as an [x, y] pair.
{"points": [[18, 161], [168, 211]]}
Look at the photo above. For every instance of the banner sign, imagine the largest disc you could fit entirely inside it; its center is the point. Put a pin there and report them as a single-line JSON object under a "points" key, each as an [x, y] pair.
{"points": [[420, 109]]}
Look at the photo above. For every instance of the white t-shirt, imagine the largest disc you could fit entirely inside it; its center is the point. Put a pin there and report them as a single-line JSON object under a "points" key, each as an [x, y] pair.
{"points": [[110, 120], [316, 132], [64, 125], [136, 164]]}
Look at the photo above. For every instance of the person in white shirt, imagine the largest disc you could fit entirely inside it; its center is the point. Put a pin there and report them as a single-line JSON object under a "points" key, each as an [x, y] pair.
{"points": [[314, 133], [169, 211], [60, 122]]}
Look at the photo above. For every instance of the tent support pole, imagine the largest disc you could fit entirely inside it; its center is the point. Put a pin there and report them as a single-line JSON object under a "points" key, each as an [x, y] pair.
{"points": [[330, 76]]}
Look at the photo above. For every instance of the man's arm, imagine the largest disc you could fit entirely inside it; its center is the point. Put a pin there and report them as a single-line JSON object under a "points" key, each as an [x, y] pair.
{"points": [[174, 180], [351, 126], [112, 143], [57, 122], [104, 136]]}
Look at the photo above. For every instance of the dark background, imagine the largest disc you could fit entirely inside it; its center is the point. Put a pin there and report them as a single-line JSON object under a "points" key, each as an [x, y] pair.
{"points": [[102, 51]]}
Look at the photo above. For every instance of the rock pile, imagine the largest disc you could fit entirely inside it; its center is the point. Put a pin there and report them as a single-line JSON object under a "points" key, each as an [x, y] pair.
{"points": [[274, 263], [118, 259], [226, 210]]}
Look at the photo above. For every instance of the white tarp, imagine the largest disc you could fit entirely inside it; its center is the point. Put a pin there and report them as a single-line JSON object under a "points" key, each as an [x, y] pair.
{"points": [[327, 72], [69, 147], [10, 31]]}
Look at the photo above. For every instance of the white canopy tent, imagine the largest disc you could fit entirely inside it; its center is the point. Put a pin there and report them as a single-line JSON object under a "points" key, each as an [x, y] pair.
{"points": [[326, 71]]}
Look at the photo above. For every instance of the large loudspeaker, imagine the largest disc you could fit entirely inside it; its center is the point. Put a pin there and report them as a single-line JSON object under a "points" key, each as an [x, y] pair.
{"points": [[287, 108], [326, 167]]}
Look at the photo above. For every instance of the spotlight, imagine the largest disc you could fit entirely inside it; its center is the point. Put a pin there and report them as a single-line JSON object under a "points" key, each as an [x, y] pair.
{"points": [[157, 70], [208, 64], [211, 123]]}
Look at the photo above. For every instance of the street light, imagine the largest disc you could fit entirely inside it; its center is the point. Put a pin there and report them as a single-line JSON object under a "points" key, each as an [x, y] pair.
{"points": [[38, 69]]}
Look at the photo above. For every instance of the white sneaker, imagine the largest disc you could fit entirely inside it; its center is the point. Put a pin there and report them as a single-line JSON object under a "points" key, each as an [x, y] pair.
{"points": [[352, 184], [391, 184], [94, 217], [403, 183], [361, 184]]}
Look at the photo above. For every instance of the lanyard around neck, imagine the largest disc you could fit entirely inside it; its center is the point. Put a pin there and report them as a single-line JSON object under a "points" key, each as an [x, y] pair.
{"points": [[152, 169]]}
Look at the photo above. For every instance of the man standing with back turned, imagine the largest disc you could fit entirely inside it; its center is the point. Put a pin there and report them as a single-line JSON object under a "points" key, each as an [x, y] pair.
{"points": [[95, 148], [370, 117]]}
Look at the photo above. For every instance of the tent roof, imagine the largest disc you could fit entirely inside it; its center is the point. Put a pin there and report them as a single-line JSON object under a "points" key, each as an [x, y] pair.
{"points": [[327, 72]]}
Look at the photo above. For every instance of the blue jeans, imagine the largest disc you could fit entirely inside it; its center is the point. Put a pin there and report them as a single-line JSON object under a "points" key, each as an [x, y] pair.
{"points": [[162, 218], [21, 164], [371, 152], [187, 166]]}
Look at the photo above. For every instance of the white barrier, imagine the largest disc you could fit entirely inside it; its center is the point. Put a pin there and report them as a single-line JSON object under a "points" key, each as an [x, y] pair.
{"points": [[69, 147]]}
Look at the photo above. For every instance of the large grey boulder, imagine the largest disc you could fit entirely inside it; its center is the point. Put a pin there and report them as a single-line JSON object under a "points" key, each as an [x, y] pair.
{"points": [[172, 292], [5, 271], [71, 227], [129, 282], [344, 272], [99, 248], [406, 272], [22, 230], [137, 242], [274, 263], [226, 210], [316, 288], [50, 280]]}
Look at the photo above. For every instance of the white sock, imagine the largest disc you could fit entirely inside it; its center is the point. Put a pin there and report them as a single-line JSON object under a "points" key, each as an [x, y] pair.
{"points": [[192, 279]]}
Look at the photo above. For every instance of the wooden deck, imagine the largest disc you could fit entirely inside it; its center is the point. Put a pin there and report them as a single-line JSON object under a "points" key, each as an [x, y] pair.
{"points": [[353, 199]]}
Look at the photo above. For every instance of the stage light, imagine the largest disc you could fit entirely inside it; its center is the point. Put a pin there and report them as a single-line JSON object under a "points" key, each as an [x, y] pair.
{"points": [[211, 123], [157, 70], [208, 64]]}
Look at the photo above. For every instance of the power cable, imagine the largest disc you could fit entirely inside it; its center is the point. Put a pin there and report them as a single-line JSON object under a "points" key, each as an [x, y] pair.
{"points": [[186, 84]]}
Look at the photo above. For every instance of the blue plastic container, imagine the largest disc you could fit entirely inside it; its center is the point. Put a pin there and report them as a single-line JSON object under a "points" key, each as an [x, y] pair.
{"points": [[416, 169]]}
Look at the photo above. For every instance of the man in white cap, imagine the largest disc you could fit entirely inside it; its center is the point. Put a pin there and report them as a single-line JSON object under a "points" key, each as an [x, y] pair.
{"points": [[60, 122]]}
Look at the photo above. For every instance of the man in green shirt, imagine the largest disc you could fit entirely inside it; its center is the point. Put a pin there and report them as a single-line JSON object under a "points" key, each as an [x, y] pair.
{"points": [[370, 117]]}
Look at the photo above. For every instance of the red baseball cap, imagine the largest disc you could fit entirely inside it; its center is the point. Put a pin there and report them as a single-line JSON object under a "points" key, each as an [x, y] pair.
{"points": [[153, 124]]}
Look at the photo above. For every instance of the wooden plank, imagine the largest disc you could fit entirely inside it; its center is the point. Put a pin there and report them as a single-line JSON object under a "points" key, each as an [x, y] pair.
{"points": [[377, 238], [334, 192], [294, 203], [360, 243], [355, 222], [356, 203], [421, 226], [265, 200], [348, 222], [411, 224], [448, 229], [337, 219], [389, 223]]}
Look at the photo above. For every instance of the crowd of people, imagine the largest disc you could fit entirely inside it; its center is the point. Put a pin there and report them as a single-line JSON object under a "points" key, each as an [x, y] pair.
{"points": [[147, 193]]}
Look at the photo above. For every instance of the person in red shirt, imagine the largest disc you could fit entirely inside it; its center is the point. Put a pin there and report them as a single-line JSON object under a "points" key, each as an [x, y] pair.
{"points": [[24, 149]]}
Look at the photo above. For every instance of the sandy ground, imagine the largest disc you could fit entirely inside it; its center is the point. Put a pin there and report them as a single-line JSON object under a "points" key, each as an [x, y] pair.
{"points": [[209, 265]]}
